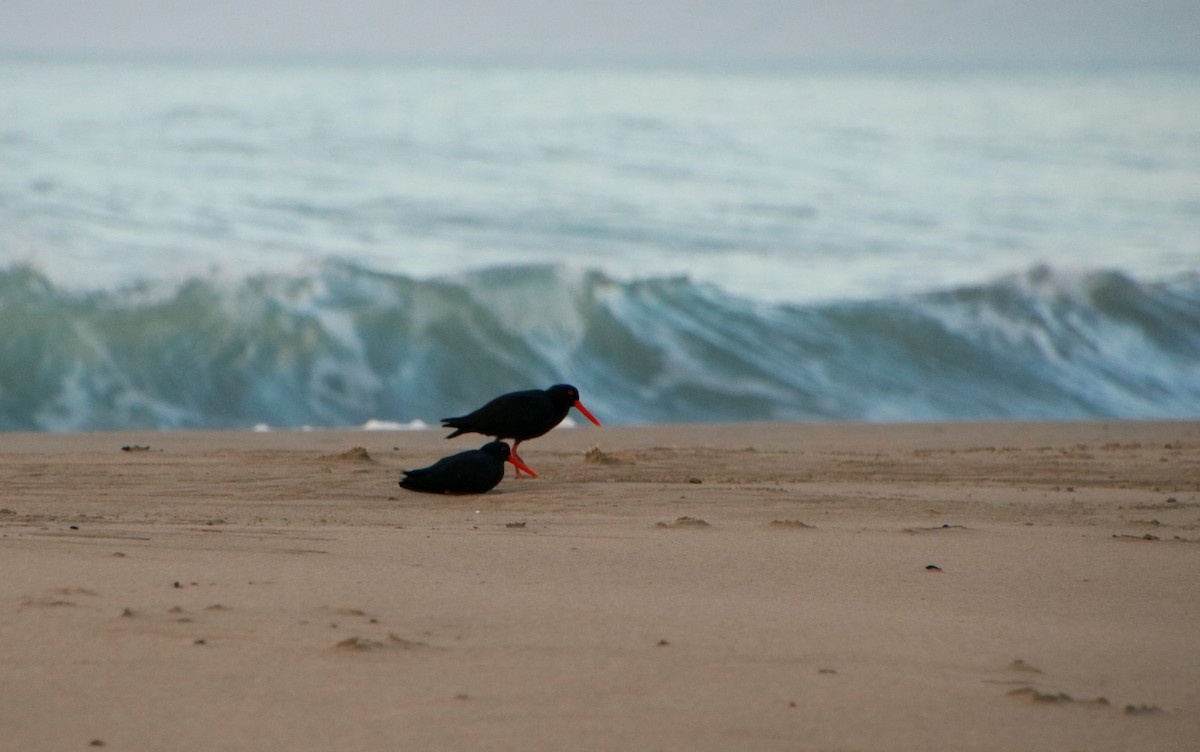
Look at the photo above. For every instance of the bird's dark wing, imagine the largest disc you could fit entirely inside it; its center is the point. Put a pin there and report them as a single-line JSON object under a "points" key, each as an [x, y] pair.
{"points": [[463, 473], [500, 417]]}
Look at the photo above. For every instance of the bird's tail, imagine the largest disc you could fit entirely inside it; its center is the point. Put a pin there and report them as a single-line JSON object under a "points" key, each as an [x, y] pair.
{"points": [[417, 483], [453, 423]]}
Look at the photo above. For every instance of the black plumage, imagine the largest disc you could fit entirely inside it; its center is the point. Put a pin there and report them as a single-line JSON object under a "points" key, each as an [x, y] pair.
{"points": [[472, 472], [520, 415]]}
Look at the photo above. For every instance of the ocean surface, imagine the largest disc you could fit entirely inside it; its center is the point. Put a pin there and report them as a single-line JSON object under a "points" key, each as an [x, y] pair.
{"points": [[283, 245]]}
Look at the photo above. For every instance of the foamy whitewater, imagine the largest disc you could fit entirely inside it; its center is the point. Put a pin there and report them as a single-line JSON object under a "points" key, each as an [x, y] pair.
{"points": [[284, 245]]}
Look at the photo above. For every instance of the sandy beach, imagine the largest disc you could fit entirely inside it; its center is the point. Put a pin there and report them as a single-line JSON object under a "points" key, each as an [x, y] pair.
{"points": [[999, 586]]}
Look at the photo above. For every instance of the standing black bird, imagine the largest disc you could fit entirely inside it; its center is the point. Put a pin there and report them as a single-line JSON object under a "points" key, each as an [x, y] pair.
{"points": [[521, 415], [471, 472]]}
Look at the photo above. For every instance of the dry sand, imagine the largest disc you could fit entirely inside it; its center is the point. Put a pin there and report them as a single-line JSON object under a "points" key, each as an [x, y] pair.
{"points": [[1008, 586]]}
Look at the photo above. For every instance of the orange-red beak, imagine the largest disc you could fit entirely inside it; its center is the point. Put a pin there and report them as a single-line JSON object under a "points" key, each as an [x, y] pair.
{"points": [[517, 463], [587, 414]]}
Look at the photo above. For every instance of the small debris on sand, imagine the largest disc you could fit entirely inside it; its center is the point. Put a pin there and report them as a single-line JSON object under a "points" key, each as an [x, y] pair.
{"points": [[393, 641], [358, 643], [1047, 698], [684, 522], [794, 524]]}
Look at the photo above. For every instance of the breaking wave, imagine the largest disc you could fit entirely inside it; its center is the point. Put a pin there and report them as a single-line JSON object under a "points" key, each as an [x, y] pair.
{"points": [[345, 345]]}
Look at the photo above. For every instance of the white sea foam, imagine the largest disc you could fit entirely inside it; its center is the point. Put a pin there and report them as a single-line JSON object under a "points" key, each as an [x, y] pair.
{"points": [[783, 186], [390, 425]]}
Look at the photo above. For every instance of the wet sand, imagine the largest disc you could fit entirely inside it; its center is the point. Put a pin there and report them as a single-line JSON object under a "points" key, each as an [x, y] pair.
{"points": [[922, 587]]}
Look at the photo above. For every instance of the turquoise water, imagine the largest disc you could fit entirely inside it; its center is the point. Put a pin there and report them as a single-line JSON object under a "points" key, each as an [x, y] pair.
{"points": [[204, 245]]}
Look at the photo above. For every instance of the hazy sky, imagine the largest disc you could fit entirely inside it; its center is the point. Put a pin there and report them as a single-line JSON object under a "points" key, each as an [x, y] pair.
{"points": [[615, 30]]}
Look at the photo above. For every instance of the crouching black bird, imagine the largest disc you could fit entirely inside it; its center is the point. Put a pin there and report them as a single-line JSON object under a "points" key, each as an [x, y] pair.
{"points": [[471, 472], [520, 415]]}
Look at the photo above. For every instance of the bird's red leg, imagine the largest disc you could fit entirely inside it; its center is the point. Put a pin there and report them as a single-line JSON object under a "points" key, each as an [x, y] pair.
{"points": [[514, 453]]}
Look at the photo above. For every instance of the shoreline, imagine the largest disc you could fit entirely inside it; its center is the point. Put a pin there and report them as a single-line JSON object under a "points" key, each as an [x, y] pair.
{"points": [[900, 586]]}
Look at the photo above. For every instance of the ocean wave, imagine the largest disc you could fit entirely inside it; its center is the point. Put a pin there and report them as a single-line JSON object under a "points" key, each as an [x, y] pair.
{"points": [[348, 346]]}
